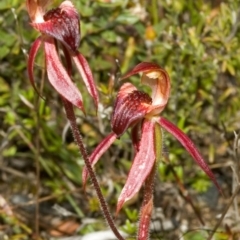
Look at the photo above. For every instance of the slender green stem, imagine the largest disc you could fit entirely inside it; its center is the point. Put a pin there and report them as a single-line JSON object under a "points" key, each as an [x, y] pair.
{"points": [[154, 11]]}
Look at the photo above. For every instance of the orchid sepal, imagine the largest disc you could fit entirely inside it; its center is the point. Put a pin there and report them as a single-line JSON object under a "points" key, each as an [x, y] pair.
{"points": [[97, 153], [190, 147], [87, 76], [59, 77], [31, 59], [142, 164]]}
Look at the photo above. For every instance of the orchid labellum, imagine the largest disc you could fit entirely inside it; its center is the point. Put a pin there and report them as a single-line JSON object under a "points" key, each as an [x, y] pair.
{"points": [[140, 112], [60, 25]]}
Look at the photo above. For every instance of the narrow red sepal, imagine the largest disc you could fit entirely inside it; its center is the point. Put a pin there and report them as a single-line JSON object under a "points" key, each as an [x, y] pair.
{"points": [[190, 147], [59, 77], [31, 58], [142, 164], [97, 153], [142, 67], [87, 76]]}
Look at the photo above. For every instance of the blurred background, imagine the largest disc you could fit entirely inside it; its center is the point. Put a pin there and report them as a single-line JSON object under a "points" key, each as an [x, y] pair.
{"points": [[198, 43]]}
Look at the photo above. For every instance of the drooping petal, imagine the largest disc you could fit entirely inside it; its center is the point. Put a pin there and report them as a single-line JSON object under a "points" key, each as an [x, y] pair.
{"points": [[87, 76], [98, 152], [62, 23], [59, 77], [142, 164], [157, 78], [31, 58], [130, 106], [189, 146]]}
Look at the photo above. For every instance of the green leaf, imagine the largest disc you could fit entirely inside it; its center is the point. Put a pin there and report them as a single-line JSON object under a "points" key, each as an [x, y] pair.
{"points": [[4, 51], [6, 39], [127, 18], [9, 152], [109, 36]]}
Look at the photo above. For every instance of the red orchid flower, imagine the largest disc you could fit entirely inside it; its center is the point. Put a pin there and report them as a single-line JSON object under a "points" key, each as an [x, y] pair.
{"points": [[140, 112], [60, 25]]}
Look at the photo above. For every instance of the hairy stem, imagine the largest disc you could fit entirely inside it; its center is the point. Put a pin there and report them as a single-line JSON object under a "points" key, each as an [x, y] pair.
{"points": [[78, 138], [147, 206]]}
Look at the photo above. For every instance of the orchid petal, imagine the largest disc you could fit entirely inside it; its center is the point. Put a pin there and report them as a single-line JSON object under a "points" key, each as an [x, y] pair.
{"points": [[62, 23], [157, 78], [36, 9], [31, 58], [87, 76], [189, 146], [131, 105], [97, 153], [59, 77], [142, 164]]}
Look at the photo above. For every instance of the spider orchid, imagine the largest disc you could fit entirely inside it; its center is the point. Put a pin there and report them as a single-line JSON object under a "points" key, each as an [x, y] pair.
{"points": [[60, 25], [140, 112]]}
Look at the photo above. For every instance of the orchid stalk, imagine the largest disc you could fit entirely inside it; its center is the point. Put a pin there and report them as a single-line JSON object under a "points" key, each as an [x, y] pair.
{"points": [[61, 27], [141, 113]]}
